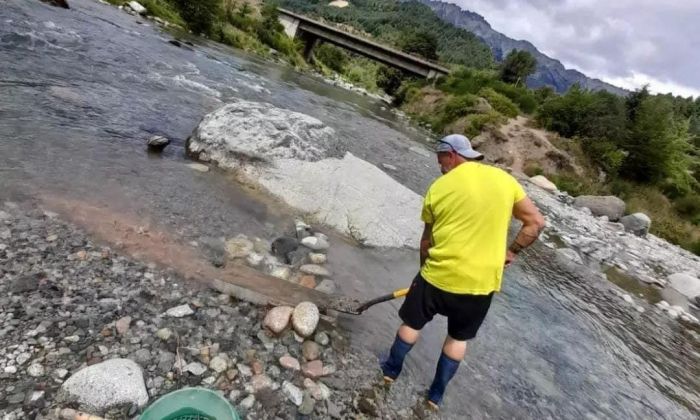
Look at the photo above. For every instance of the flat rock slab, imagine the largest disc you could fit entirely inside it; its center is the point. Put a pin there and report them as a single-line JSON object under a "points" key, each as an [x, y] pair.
{"points": [[107, 385]]}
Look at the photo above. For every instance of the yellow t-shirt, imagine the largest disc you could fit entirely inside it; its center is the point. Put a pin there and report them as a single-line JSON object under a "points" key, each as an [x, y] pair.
{"points": [[469, 209]]}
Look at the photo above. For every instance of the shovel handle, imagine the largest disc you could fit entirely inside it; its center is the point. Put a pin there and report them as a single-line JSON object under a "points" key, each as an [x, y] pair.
{"points": [[394, 295]]}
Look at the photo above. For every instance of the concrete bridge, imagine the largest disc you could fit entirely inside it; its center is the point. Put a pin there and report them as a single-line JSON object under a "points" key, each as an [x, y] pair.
{"points": [[311, 32]]}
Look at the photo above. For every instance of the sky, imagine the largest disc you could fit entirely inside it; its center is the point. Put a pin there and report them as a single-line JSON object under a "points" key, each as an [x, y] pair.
{"points": [[628, 43]]}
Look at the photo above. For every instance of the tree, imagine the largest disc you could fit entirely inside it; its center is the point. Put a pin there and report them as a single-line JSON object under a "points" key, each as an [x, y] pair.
{"points": [[389, 79], [424, 44], [199, 14], [517, 66]]}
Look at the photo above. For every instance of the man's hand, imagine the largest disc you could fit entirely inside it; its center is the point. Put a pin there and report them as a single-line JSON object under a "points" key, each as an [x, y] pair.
{"points": [[510, 257]]}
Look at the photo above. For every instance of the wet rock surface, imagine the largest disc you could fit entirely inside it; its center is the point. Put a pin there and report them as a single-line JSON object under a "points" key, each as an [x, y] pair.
{"points": [[105, 333]]}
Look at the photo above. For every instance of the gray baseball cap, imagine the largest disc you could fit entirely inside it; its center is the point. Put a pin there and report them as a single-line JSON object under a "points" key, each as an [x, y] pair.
{"points": [[459, 144]]}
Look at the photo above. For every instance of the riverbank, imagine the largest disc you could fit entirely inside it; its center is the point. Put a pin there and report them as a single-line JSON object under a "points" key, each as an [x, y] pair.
{"points": [[68, 303]]}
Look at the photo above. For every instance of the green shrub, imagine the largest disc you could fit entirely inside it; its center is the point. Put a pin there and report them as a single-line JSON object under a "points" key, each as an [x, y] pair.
{"points": [[389, 79], [199, 15], [163, 9], [335, 58], [608, 156], [458, 106], [500, 102], [688, 206], [467, 80], [523, 97], [477, 122]]}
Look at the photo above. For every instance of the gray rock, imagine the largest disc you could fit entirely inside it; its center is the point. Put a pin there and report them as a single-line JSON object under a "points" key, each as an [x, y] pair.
{"points": [[180, 311], [157, 143], [281, 272], [305, 318], [317, 258], [685, 284], [35, 370], [123, 324], [27, 283], [322, 338], [316, 244], [142, 357], [103, 386], [570, 254], [166, 360], [637, 224], [608, 205], [307, 404], [282, 246], [297, 257], [315, 270], [327, 286], [195, 368], [293, 394]]}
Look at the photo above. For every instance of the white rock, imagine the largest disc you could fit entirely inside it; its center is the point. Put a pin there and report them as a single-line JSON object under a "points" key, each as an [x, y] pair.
{"points": [[389, 167], [685, 284], [112, 383], [180, 311], [164, 334], [248, 402], [137, 7], [315, 270], [198, 167], [281, 272], [294, 394], [317, 258], [673, 313], [10, 369], [195, 368], [244, 370], [239, 247], [542, 182], [254, 259], [315, 243], [35, 370], [218, 364], [305, 318], [627, 298], [60, 373], [663, 304], [278, 318]]}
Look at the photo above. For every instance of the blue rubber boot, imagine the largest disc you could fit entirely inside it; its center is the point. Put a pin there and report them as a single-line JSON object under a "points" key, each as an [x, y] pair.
{"points": [[446, 369], [392, 366]]}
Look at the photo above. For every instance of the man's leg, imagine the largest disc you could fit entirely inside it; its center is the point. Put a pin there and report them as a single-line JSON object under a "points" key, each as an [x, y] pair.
{"points": [[405, 338], [453, 351]]}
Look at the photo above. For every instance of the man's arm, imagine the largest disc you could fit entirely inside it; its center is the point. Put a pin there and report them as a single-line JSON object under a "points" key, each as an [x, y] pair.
{"points": [[533, 224], [426, 241]]}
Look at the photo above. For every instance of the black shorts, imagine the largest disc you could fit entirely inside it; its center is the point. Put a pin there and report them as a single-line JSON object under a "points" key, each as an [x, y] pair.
{"points": [[464, 313]]}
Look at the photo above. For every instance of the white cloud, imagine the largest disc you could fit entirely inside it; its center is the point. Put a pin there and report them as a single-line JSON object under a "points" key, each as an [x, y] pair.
{"points": [[624, 42]]}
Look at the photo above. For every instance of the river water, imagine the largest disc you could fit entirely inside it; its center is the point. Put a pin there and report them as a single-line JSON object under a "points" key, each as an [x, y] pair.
{"points": [[82, 89]]}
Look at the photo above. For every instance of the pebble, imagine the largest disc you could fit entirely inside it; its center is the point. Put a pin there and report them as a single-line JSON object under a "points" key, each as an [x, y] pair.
{"points": [[307, 281], [278, 318], [218, 364], [389, 167], [315, 270], [10, 369], [259, 382], [244, 370], [60, 373], [239, 247], [327, 286], [314, 243], [313, 369], [35, 370], [254, 259], [164, 334], [310, 350], [248, 402], [180, 311], [322, 338], [317, 258], [293, 394], [195, 368], [305, 318], [289, 362], [123, 324], [307, 404], [281, 272]]}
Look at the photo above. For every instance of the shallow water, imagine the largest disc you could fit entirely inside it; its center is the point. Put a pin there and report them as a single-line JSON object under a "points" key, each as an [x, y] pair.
{"points": [[82, 89]]}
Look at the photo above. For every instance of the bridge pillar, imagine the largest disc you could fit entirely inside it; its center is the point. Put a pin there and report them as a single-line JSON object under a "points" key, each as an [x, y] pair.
{"points": [[290, 24], [310, 42]]}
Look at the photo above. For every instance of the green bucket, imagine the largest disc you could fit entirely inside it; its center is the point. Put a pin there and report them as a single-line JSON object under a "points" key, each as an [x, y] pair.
{"points": [[190, 404]]}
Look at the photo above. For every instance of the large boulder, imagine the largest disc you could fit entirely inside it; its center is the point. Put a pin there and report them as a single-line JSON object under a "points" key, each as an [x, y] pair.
{"points": [[607, 205], [258, 132], [637, 223], [685, 284], [112, 384], [543, 183]]}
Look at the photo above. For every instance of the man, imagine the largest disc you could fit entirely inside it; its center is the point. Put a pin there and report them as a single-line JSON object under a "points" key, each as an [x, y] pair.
{"points": [[466, 212]]}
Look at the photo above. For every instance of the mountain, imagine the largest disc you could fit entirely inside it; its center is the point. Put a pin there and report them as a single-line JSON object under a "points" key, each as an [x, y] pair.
{"points": [[549, 72]]}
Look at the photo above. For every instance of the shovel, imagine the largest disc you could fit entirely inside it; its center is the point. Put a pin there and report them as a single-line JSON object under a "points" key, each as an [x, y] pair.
{"points": [[356, 307]]}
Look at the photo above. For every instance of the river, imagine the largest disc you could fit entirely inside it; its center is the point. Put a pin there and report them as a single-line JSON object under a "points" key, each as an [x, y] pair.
{"points": [[82, 89]]}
